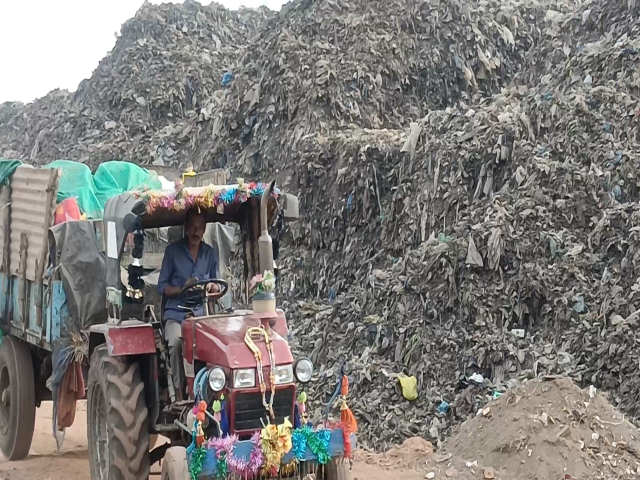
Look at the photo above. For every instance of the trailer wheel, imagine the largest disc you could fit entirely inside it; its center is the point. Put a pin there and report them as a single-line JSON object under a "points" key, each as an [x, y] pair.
{"points": [[337, 469], [17, 399], [174, 464], [117, 423]]}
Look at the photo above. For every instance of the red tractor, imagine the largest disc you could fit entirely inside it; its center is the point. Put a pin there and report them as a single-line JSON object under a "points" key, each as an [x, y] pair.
{"points": [[131, 399]]}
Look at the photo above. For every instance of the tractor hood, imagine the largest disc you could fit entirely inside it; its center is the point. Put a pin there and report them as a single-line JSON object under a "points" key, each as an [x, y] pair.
{"points": [[219, 340]]}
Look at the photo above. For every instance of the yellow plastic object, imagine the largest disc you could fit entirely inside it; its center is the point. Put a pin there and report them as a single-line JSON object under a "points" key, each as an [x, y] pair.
{"points": [[409, 387], [188, 173], [276, 442]]}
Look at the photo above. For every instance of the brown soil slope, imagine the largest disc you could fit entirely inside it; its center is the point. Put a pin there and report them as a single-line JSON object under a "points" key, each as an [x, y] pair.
{"points": [[547, 430]]}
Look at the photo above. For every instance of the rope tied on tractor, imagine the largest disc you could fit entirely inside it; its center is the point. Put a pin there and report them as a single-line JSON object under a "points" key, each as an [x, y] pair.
{"points": [[257, 354]]}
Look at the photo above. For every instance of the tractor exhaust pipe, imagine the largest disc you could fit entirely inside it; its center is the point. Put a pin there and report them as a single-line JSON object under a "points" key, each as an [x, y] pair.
{"points": [[265, 244]]}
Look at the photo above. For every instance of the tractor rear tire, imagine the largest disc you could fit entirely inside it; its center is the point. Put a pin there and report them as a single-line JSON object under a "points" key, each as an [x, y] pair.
{"points": [[118, 419], [17, 399], [337, 469], [174, 464]]}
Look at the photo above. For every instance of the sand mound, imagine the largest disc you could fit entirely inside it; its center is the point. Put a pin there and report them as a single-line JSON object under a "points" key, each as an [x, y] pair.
{"points": [[549, 429], [545, 429]]}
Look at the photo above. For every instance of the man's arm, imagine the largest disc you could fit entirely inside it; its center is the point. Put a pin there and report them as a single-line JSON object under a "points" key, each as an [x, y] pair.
{"points": [[166, 272]]}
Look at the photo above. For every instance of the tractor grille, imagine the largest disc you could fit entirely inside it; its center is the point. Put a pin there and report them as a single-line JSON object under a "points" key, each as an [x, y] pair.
{"points": [[249, 410]]}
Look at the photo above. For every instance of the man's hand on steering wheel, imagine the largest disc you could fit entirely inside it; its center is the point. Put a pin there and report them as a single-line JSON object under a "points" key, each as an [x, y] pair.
{"points": [[196, 293]]}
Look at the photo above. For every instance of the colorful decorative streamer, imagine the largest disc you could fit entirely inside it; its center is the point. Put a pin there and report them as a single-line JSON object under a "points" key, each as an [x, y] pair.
{"points": [[256, 459], [227, 463], [196, 463], [185, 198], [317, 442], [269, 448], [276, 443]]}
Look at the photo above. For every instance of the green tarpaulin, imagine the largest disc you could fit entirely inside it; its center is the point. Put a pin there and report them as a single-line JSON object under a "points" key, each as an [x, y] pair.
{"points": [[7, 169], [114, 178], [76, 181], [93, 191]]}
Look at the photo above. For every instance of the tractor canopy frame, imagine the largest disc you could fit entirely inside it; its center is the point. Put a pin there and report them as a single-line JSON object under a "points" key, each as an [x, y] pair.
{"points": [[127, 213]]}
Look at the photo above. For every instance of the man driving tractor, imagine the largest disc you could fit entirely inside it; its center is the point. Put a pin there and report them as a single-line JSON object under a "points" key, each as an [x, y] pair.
{"points": [[185, 262]]}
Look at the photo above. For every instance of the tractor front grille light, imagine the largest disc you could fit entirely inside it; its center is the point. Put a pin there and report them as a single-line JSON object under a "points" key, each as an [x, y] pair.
{"points": [[244, 378], [283, 374]]}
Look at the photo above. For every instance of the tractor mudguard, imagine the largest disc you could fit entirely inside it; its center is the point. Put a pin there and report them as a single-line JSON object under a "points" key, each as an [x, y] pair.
{"points": [[130, 337]]}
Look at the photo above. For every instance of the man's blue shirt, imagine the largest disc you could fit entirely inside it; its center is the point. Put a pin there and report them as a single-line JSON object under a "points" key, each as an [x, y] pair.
{"points": [[178, 267]]}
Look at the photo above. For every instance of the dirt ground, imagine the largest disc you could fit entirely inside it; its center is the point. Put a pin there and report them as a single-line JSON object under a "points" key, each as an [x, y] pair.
{"points": [[544, 429], [42, 463], [73, 464]]}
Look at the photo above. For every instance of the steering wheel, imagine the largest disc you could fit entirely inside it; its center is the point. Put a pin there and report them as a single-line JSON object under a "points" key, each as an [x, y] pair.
{"points": [[194, 295]]}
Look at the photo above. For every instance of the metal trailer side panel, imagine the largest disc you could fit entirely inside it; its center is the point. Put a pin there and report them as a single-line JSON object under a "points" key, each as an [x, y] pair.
{"points": [[31, 205], [33, 202]]}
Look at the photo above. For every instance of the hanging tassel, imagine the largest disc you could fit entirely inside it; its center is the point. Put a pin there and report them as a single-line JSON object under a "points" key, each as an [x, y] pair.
{"points": [[346, 415], [199, 435], [200, 416], [217, 408]]}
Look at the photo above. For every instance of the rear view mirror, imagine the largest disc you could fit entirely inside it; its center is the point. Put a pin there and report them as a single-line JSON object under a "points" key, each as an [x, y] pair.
{"points": [[290, 207]]}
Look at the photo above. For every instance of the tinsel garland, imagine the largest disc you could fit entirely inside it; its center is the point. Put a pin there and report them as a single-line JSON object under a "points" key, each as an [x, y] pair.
{"points": [[301, 439], [207, 198], [317, 442], [256, 459], [196, 463], [227, 462], [221, 465]]}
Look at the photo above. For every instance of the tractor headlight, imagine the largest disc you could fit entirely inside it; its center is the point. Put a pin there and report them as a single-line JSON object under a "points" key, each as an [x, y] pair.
{"points": [[304, 370], [217, 379], [244, 378], [283, 374]]}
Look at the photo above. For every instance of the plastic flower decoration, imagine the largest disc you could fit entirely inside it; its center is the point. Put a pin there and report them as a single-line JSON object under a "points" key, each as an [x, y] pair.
{"points": [[264, 283]]}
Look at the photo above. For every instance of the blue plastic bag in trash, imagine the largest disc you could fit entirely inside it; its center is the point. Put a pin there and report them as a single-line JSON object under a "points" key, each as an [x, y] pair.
{"points": [[227, 78]]}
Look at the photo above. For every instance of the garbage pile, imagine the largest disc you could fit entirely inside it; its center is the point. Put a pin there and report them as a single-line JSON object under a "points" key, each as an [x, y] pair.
{"points": [[144, 100], [321, 66], [198, 83], [496, 237], [467, 172]]}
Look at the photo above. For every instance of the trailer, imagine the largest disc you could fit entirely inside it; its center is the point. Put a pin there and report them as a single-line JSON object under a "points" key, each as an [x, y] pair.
{"points": [[36, 308]]}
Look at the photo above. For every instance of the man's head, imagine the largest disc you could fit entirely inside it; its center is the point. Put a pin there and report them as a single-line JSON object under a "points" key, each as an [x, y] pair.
{"points": [[195, 226]]}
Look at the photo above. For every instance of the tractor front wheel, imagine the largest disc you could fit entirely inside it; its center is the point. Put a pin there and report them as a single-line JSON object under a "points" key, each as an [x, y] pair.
{"points": [[174, 464], [117, 423], [17, 399]]}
